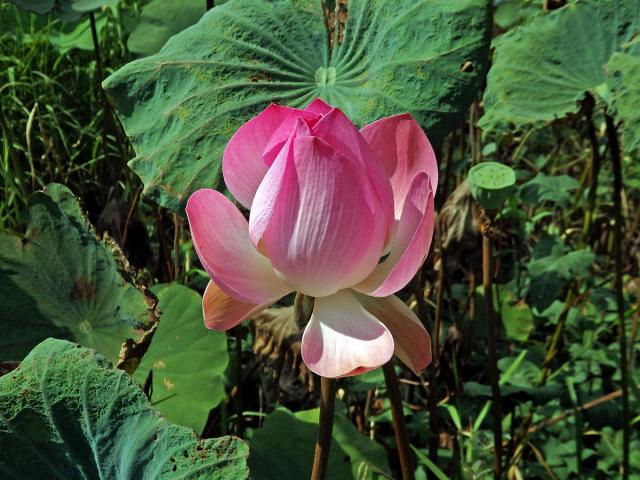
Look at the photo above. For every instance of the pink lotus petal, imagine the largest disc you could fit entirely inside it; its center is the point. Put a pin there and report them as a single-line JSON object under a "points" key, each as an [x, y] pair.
{"points": [[343, 339], [221, 238], [339, 132], [410, 244], [318, 107], [222, 312], [268, 193], [404, 151], [325, 230], [411, 340], [242, 165], [287, 128]]}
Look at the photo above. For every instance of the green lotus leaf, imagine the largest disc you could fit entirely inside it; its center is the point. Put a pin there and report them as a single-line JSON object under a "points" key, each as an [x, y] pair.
{"points": [[542, 70], [160, 20], [66, 413], [181, 106], [59, 280], [186, 361], [63, 9], [625, 72]]}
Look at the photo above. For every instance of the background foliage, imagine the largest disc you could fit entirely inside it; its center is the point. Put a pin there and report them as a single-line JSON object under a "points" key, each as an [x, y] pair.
{"points": [[94, 249]]}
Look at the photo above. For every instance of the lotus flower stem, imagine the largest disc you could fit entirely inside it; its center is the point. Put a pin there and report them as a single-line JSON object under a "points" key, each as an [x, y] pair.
{"points": [[491, 339], [614, 148], [399, 425], [210, 4], [325, 428]]}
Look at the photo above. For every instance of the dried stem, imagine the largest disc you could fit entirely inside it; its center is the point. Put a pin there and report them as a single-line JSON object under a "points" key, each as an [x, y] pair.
{"points": [[614, 148], [399, 425], [595, 171], [323, 444], [493, 356], [134, 204]]}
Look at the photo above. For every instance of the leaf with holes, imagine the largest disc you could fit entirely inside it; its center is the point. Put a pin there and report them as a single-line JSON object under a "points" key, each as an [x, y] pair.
{"points": [[59, 280], [67, 413], [181, 106], [541, 71], [187, 361]]}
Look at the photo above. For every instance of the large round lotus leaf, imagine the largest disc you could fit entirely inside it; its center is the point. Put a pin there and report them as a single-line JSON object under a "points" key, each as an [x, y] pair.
{"points": [[181, 106], [160, 20], [542, 70], [625, 73], [59, 280], [65, 413], [63, 9], [187, 361]]}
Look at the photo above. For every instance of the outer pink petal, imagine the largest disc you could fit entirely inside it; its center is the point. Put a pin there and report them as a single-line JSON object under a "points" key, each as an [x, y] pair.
{"points": [[221, 238], [267, 195], [242, 163], [339, 132], [222, 312], [411, 340], [410, 244], [325, 231], [343, 339], [404, 151], [319, 107]]}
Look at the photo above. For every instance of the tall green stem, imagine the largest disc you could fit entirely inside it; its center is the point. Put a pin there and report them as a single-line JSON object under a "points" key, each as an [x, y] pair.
{"points": [[493, 356], [595, 171], [399, 424], [323, 444], [614, 148]]}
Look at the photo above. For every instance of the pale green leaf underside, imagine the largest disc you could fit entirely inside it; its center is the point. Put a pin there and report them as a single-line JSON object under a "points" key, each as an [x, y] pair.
{"points": [[181, 106], [188, 361], [542, 70], [66, 414], [59, 280]]}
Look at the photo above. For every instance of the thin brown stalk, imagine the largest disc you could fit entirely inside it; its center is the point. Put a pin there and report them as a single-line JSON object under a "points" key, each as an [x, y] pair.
{"points": [[492, 354], [616, 157], [595, 171], [177, 226], [432, 400], [325, 428], [399, 424], [132, 209]]}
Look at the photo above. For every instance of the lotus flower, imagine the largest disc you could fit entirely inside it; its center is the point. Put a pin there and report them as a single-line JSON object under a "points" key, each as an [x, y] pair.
{"points": [[342, 215]]}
